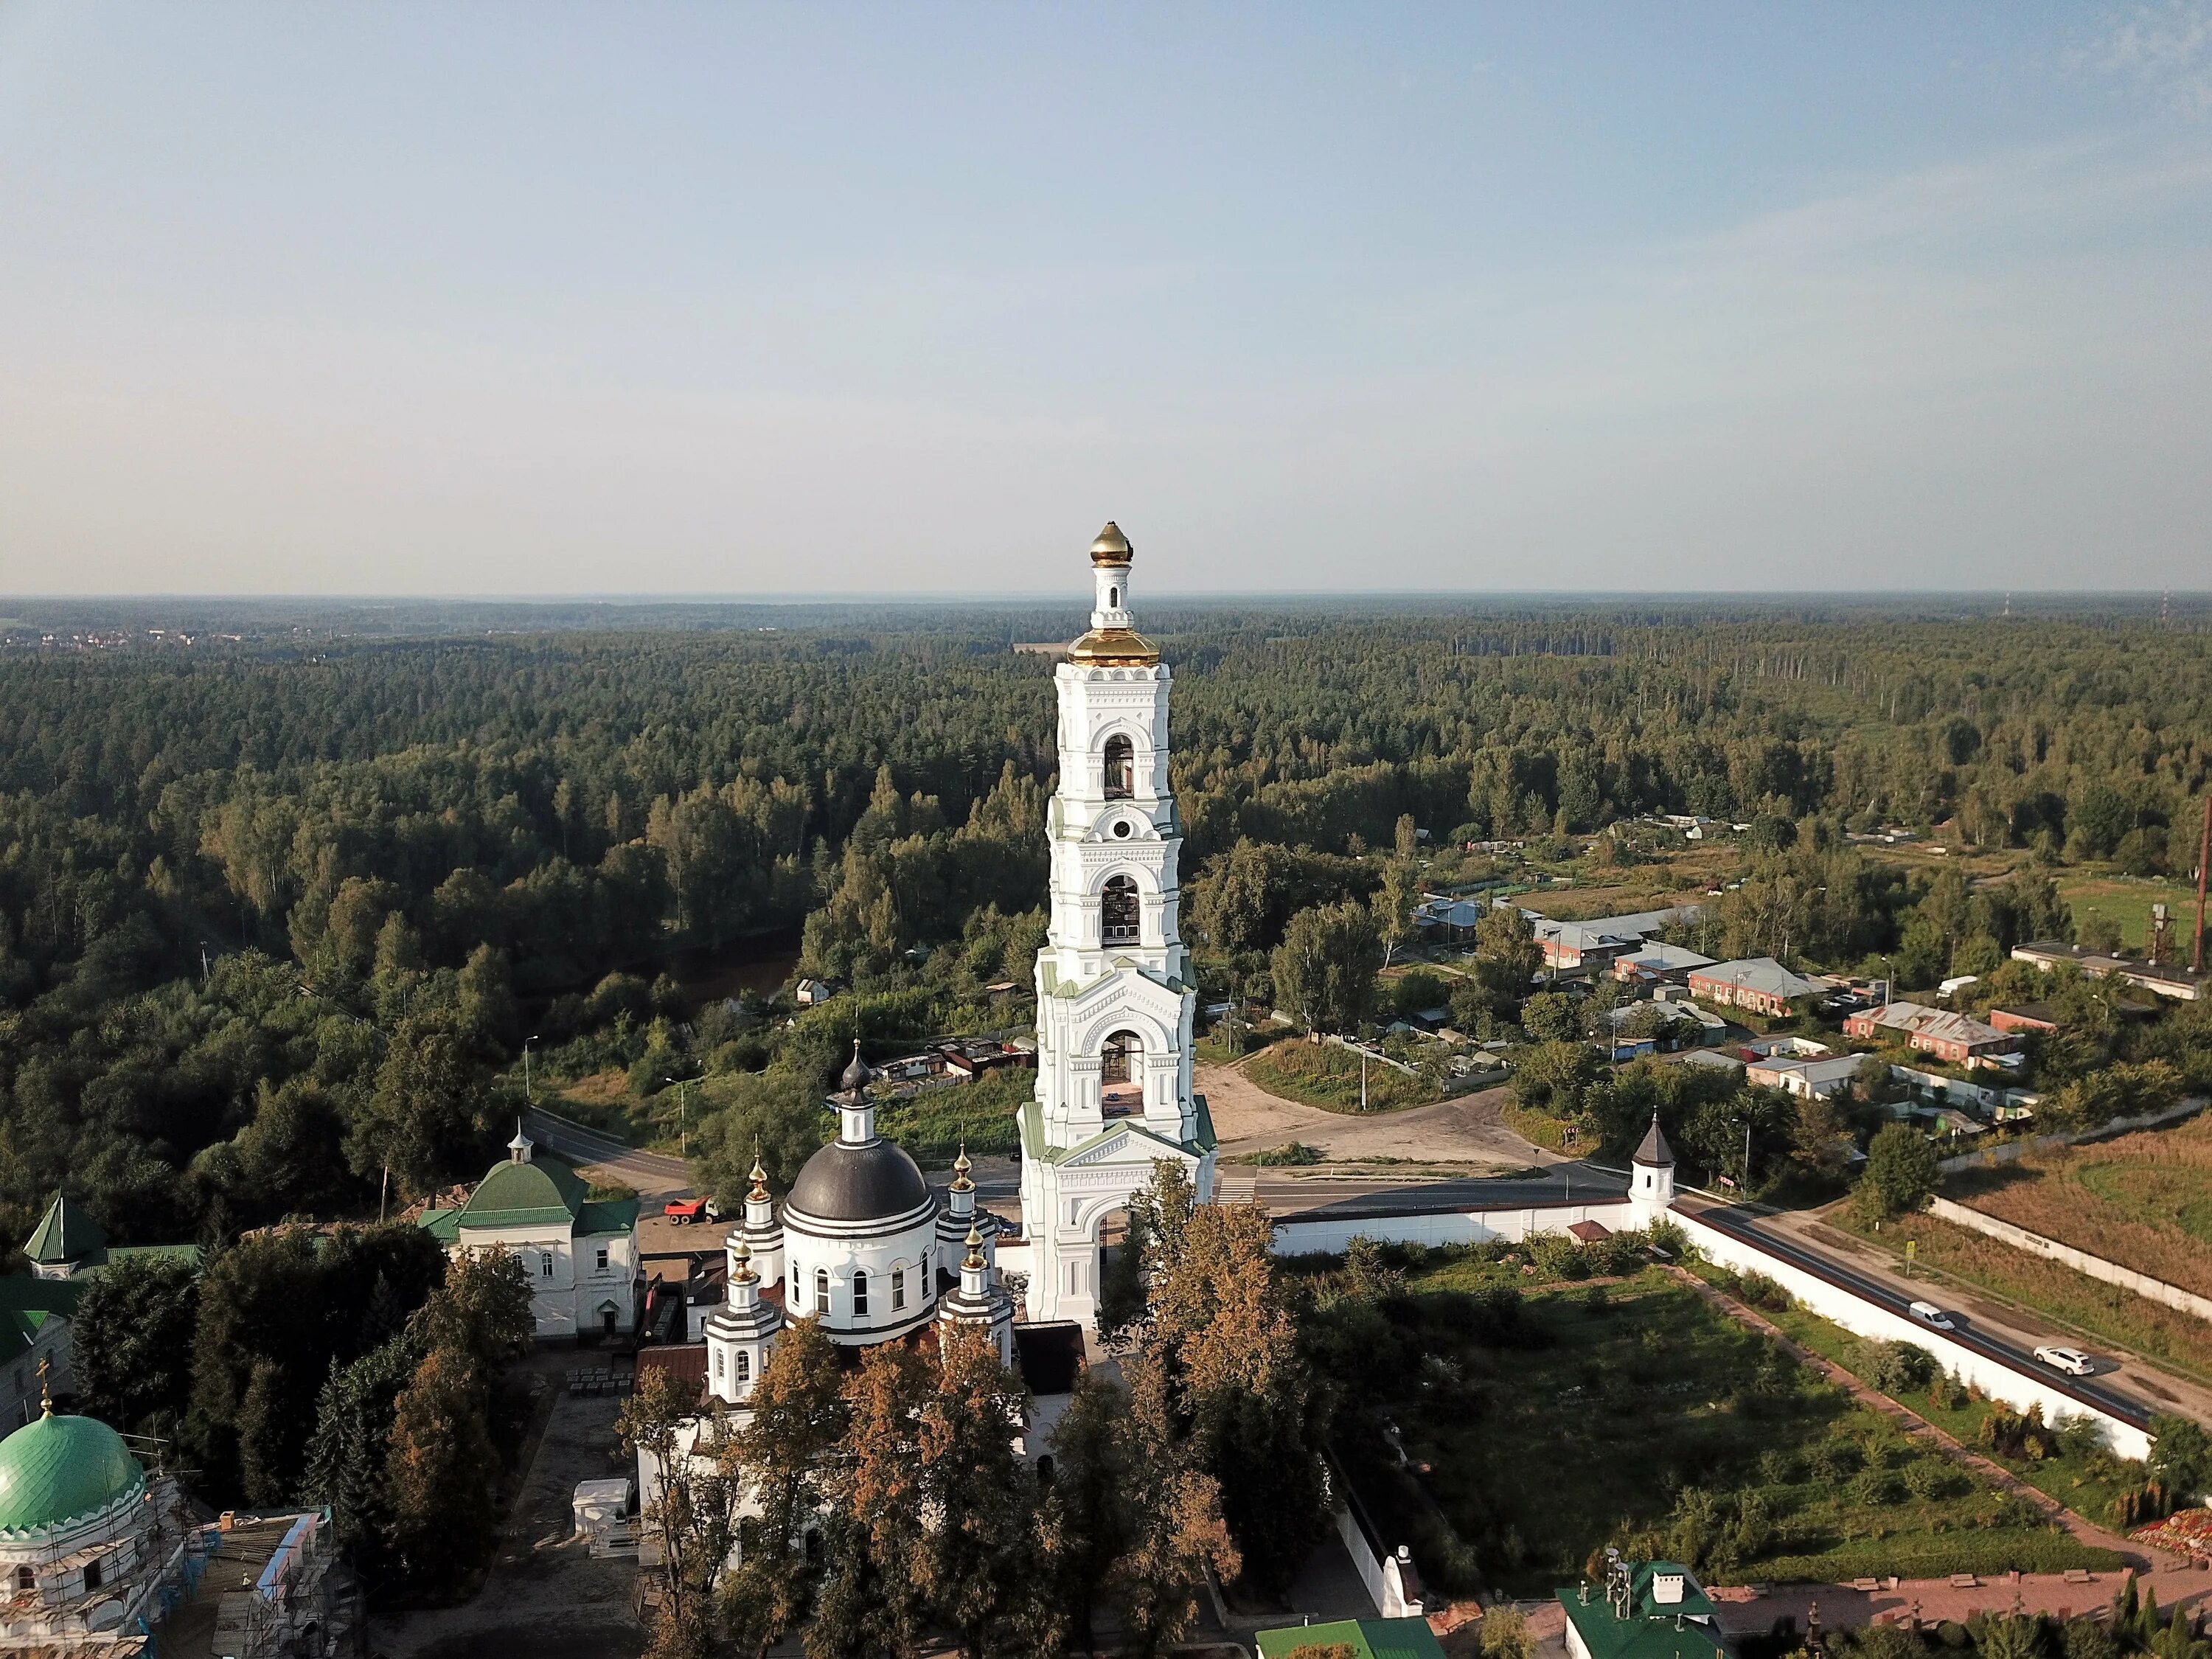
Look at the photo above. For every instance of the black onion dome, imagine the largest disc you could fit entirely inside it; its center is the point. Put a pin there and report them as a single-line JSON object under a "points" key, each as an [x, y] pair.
{"points": [[857, 1074], [844, 1182]]}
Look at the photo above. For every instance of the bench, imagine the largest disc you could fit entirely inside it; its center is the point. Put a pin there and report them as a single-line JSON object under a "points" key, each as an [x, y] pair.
{"points": [[1965, 1580], [2080, 1575], [1866, 1583]]}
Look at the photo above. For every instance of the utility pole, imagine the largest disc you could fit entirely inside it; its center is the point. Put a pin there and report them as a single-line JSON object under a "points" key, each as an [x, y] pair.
{"points": [[683, 1112], [2203, 858], [1363, 1079], [529, 1098], [1746, 1155]]}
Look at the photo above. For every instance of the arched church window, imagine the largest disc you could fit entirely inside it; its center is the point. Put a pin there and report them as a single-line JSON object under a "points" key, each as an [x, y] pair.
{"points": [[1117, 911], [1121, 1074], [860, 1295], [1120, 768], [822, 1290], [26, 1579], [546, 1264], [718, 1365], [1113, 598], [745, 1366], [898, 1288]]}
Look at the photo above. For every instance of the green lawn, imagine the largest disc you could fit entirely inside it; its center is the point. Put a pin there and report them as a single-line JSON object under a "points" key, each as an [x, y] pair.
{"points": [[932, 1124], [1326, 1075], [2127, 900], [1639, 1415]]}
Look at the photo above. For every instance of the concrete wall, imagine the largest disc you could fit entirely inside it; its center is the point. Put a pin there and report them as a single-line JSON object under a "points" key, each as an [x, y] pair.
{"points": [[2155, 1289], [1329, 1235], [2119, 1126], [1863, 1318]]}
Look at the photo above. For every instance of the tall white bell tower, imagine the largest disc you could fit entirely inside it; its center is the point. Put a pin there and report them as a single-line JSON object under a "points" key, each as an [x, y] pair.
{"points": [[1114, 998]]}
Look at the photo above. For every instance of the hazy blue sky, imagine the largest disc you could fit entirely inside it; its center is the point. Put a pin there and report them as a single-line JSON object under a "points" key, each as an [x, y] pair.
{"points": [[477, 298]]}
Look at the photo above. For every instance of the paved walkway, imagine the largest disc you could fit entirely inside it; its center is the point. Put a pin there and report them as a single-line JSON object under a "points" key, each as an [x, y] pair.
{"points": [[1933, 1600]]}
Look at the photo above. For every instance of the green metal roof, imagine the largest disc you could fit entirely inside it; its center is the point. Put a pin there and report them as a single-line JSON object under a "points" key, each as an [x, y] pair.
{"points": [[444, 1225], [607, 1215], [60, 1469], [188, 1253], [542, 1192], [67, 1233], [1034, 1146], [1653, 1629], [1368, 1639]]}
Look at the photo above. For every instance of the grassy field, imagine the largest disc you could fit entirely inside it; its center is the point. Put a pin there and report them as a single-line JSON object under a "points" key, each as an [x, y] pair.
{"points": [[2127, 901], [1640, 1415], [2085, 1479], [2088, 1304], [2144, 1200], [932, 1125], [1325, 1075], [1538, 1128]]}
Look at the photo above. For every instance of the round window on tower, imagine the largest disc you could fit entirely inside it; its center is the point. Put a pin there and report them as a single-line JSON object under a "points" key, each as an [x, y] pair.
{"points": [[1120, 828]]}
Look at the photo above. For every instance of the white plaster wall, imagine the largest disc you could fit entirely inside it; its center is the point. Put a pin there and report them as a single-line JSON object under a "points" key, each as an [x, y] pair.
{"points": [[1863, 1318], [1330, 1236]]}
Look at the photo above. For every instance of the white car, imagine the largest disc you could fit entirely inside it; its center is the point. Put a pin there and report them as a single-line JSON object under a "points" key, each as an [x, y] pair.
{"points": [[1932, 1316], [2072, 1361]]}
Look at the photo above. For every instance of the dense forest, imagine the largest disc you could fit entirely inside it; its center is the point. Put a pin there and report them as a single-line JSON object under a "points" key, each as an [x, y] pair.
{"points": [[277, 913]]}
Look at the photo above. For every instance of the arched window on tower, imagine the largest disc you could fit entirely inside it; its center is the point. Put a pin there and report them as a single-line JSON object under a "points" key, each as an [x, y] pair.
{"points": [[1113, 598], [821, 1291], [860, 1295], [1120, 768], [1120, 1075], [1117, 912], [745, 1366]]}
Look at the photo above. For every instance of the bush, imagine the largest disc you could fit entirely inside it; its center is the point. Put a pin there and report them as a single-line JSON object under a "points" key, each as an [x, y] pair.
{"points": [[1895, 1368], [1758, 1290], [1837, 1459], [1931, 1477]]}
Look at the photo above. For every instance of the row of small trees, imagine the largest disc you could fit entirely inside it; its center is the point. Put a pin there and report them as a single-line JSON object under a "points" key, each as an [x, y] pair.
{"points": [[878, 1505]]}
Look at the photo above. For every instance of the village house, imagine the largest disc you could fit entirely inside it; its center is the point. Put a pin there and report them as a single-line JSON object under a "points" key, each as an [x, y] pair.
{"points": [[2176, 984], [1951, 1037], [1758, 985]]}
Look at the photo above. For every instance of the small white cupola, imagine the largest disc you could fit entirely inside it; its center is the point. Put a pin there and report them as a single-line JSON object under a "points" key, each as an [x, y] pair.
{"points": [[520, 1148], [856, 1113]]}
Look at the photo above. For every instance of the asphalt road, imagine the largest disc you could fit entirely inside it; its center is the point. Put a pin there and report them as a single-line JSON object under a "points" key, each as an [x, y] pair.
{"points": [[1798, 1252], [653, 1175]]}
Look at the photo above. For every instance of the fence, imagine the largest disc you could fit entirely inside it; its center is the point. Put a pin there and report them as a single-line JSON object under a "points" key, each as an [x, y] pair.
{"points": [[2119, 1126], [2153, 1290]]}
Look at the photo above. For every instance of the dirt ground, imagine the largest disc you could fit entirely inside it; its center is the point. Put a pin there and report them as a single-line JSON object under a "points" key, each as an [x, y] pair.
{"points": [[545, 1595], [1466, 1131]]}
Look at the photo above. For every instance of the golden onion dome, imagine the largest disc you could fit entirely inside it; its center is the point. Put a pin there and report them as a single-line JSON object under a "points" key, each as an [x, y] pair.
{"points": [[1114, 648], [1112, 546]]}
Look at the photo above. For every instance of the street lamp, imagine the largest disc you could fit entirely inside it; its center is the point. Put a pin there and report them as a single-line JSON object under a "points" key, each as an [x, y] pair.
{"points": [[683, 1112], [529, 1098]]}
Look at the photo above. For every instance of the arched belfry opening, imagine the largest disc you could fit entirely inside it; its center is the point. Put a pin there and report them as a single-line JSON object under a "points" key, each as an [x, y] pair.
{"points": [[1122, 1075], [1117, 911], [1120, 768]]}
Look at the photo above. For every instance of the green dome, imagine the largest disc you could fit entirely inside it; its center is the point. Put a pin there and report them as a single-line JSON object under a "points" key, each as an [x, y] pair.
{"points": [[54, 1470]]}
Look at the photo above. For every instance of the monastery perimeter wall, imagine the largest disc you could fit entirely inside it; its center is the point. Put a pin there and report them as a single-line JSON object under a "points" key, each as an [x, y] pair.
{"points": [[2153, 1290]]}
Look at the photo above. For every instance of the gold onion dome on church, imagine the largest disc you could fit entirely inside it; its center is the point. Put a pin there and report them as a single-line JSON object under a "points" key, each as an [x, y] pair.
{"points": [[1113, 648], [1112, 546]]}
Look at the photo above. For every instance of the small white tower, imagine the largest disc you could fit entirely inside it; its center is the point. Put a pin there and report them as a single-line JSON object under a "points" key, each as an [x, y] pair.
{"points": [[740, 1332], [519, 1149], [979, 1302], [1652, 1186], [760, 1232], [961, 1214]]}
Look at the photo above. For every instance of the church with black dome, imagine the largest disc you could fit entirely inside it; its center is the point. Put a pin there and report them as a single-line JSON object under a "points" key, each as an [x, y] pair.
{"points": [[862, 1245]]}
